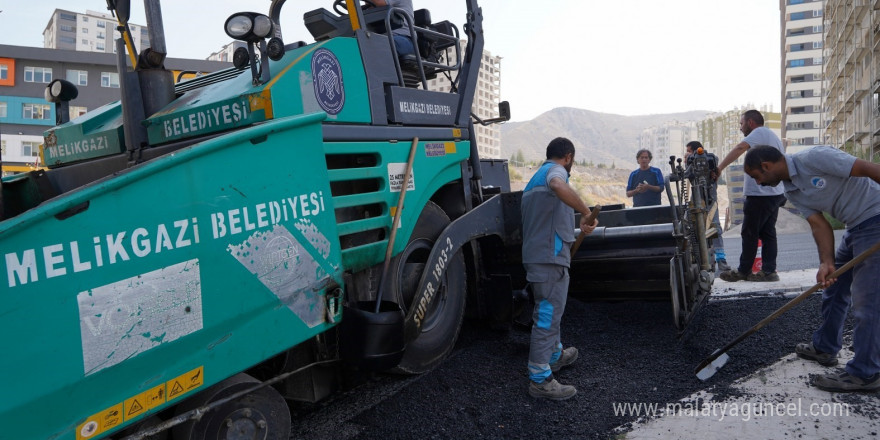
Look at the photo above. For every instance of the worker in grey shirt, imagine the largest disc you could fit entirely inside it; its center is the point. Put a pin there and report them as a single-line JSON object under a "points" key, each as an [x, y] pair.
{"points": [[826, 179], [548, 205], [760, 208]]}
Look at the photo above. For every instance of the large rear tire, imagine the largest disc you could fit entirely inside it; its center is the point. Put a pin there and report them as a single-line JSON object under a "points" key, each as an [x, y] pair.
{"points": [[446, 311]]}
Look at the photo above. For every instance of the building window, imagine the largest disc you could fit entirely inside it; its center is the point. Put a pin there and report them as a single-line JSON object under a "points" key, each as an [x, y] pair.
{"points": [[817, 45], [102, 24], [30, 148], [76, 111], [85, 42], [78, 77], [69, 40], [798, 16], [68, 28], [67, 16], [4, 72], [85, 30], [36, 111], [796, 63], [817, 29], [99, 46], [37, 74], [85, 18], [817, 61], [100, 35], [110, 79], [817, 13], [2, 109]]}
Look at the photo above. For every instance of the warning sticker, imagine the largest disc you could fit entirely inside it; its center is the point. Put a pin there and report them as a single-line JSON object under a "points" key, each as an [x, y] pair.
{"points": [[100, 422], [185, 383], [396, 172], [144, 402], [137, 405]]}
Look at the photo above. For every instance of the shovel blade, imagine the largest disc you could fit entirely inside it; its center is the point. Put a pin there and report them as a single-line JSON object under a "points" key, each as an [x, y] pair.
{"points": [[711, 368]]}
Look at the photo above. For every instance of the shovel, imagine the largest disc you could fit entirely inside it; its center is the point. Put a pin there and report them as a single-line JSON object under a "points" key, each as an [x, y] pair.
{"points": [[714, 362]]}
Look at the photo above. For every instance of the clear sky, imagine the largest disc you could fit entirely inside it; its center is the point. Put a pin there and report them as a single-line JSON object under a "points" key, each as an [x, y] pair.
{"points": [[629, 57]]}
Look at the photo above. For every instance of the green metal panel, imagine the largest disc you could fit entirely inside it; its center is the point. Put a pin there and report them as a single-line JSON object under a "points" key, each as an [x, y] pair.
{"points": [[435, 165], [291, 91], [97, 134], [175, 267]]}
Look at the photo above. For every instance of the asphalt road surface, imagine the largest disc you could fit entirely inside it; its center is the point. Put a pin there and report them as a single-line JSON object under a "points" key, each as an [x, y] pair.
{"points": [[629, 352], [796, 251]]}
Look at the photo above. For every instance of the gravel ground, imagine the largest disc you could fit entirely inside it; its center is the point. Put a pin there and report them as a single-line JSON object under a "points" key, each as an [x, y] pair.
{"points": [[629, 352]]}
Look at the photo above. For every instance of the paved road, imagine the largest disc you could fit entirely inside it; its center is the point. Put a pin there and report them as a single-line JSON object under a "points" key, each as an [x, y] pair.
{"points": [[796, 251], [630, 354]]}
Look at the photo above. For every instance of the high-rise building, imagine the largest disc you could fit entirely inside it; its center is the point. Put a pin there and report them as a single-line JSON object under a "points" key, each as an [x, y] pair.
{"points": [[667, 140], [802, 83], [486, 99], [852, 73], [89, 32]]}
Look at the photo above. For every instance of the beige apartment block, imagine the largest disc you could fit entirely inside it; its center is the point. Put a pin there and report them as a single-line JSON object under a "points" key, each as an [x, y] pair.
{"points": [[852, 75]]}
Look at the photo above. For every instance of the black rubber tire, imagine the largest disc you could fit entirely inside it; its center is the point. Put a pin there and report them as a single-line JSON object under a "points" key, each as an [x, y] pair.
{"points": [[446, 311], [262, 414]]}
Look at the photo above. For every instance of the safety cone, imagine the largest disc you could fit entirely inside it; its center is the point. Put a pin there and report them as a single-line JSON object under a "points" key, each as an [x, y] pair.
{"points": [[756, 266]]}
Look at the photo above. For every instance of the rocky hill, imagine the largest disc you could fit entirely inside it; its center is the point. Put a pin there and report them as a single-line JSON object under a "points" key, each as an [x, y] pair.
{"points": [[601, 138]]}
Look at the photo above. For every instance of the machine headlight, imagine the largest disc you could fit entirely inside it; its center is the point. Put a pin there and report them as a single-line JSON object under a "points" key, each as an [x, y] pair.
{"points": [[60, 90], [248, 26], [262, 26]]}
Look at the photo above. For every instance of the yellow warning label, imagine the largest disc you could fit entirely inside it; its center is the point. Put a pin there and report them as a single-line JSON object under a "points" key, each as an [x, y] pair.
{"points": [[456, 132], [100, 422], [139, 404], [450, 148], [185, 383], [154, 397], [133, 407]]}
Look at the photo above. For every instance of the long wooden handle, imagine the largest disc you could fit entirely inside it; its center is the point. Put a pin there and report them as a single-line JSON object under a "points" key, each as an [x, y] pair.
{"points": [[396, 222], [795, 301], [593, 214]]}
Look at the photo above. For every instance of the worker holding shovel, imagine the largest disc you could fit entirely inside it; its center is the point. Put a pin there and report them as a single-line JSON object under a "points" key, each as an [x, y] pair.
{"points": [[825, 179]]}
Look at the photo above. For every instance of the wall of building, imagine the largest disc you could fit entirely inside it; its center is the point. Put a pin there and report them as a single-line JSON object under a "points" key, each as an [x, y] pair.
{"points": [[852, 73], [89, 32]]}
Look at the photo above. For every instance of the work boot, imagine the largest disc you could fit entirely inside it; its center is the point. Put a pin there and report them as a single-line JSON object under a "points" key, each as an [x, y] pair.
{"points": [[806, 351], [568, 356], [722, 265], [551, 389], [763, 276], [733, 275], [843, 382]]}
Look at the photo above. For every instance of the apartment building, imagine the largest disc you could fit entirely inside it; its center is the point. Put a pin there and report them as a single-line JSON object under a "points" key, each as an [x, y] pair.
{"points": [[802, 80], [667, 140], [24, 112], [852, 75], [486, 99], [89, 32]]}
